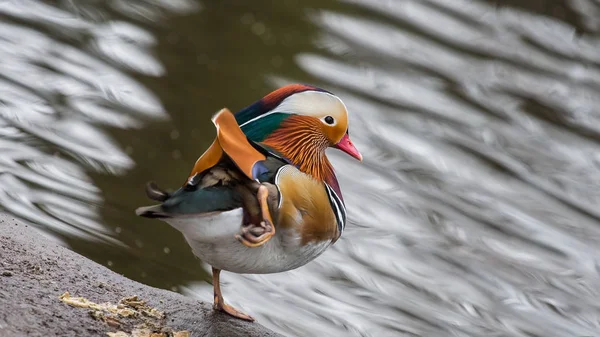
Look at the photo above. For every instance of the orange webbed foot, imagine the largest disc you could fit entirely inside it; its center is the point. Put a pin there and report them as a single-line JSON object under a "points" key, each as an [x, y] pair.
{"points": [[219, 303], [231, 311]]}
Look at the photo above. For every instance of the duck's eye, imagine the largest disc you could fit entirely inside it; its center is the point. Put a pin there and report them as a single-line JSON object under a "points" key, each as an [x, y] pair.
{"points": [[329, 120]]}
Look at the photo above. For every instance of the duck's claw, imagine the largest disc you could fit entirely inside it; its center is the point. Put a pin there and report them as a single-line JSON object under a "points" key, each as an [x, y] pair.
{"points": [[252, 235], [256, 235], [226, 308]]}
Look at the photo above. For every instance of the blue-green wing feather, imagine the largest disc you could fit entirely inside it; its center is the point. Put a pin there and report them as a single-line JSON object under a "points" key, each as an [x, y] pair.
{"points": [[202, 200], [194, 202]]}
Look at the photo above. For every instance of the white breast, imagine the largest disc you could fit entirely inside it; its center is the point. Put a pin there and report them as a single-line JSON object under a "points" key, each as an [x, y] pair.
{"points": [[212, 240]]}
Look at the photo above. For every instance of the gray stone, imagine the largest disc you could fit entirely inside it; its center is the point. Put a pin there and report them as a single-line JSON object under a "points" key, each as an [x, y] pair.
{"points": [[36, 271]]}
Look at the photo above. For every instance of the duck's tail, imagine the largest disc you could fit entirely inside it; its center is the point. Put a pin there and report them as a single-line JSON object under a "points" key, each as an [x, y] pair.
{"points": [[155, 211], [155, 193]]}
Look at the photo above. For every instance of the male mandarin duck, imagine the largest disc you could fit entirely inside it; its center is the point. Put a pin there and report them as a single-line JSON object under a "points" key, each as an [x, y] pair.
{"points": [[264, 197]]}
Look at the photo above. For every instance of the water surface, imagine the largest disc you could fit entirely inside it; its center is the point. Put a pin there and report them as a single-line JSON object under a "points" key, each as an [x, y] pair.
{"points": [[475, 210]]}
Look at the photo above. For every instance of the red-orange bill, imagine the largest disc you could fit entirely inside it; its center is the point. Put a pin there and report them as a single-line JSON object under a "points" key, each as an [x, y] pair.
{"points": [[345, 144]]}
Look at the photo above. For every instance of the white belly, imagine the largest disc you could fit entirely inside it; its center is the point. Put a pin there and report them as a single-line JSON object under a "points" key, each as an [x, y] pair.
{"points": [[212, 240]]}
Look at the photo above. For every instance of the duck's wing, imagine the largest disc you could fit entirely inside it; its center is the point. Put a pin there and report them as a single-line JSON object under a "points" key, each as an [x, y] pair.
{"points": [[227, 176], [221, 188]]}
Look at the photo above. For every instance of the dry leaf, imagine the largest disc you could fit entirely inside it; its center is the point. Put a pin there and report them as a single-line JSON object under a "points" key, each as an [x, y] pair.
{"points": [[118, 334]]}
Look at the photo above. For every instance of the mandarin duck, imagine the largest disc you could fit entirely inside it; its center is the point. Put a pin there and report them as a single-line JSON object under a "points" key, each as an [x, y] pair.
{"points": [[263, 198]]}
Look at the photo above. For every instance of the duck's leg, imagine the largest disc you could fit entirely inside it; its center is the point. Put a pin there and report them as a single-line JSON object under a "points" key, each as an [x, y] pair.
{"points": [[253, 235], [220, 305]]}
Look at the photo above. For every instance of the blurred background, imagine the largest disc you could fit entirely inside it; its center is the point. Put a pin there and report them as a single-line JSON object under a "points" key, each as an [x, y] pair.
{"points": [[475, 212]]}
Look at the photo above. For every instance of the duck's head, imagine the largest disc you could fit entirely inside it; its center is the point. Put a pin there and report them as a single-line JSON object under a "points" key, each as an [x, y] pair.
{"points": [[299, 122]]}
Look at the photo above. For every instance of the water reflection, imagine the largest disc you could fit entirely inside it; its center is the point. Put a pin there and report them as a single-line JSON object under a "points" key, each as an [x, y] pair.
{"points": [[474, 213], [61, 80]]}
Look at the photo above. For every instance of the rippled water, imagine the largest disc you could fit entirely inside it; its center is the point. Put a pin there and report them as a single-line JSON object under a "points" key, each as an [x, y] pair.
{"points": [[474, 214]]}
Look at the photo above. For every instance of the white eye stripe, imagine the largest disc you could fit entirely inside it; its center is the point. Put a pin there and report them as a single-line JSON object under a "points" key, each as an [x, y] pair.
{"points": [[263, 115], [308, 103]]}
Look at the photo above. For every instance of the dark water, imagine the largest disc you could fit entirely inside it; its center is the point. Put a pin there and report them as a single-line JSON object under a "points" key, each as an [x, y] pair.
{"points": [[475, 212]]}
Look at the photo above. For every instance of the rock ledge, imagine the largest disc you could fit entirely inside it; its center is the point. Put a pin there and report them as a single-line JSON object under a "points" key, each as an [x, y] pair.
{"points": [[35, 272]]}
